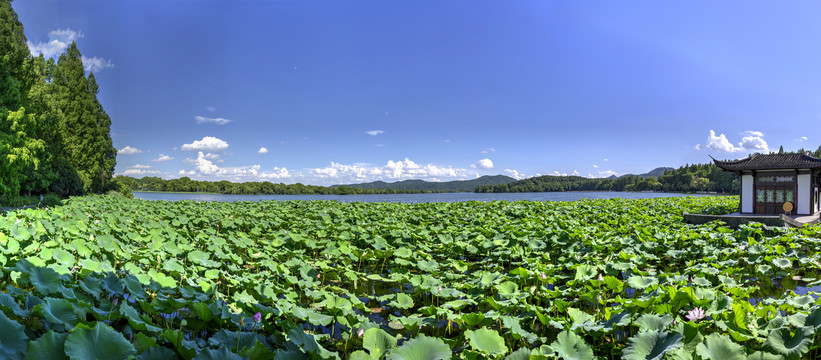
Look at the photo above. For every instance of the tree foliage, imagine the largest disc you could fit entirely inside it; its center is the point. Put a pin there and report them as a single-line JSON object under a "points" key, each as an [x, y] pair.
{"points": [[54, 133]]}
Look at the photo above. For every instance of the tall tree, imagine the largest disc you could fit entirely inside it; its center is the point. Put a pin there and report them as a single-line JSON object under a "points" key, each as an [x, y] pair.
{"points": [[19, 145], [84, 127]]}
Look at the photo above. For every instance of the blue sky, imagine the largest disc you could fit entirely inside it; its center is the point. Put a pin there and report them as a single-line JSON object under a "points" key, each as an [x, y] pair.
{"points": [[328, 92]]}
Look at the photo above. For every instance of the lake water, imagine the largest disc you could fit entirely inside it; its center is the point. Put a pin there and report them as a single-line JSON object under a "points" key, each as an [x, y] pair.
{"points": [[415, 198]]}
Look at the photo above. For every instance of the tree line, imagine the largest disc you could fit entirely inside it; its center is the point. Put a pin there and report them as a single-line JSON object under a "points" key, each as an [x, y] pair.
{"points": [[686, 179], [186, 184], [54, 134]]}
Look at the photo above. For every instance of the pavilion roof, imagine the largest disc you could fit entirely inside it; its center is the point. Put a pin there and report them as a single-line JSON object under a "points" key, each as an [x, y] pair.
{"points": [[772, 161]]}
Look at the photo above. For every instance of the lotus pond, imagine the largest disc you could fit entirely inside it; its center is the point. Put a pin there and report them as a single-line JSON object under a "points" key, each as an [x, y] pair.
{"points": [[115, 278]]}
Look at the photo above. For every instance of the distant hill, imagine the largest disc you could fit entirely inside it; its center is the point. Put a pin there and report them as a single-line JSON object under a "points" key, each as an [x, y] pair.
{"points": [[455, 186], [659, 171]]}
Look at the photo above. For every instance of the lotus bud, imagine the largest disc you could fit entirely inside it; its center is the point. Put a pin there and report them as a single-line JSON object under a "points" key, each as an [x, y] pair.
{"points": [[601, 278], [258, 317], [543, 276], [361, 333], [116, 300]]}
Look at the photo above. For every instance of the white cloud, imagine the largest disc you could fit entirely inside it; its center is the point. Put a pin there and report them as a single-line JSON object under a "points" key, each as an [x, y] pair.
{"points": [[595, 166], [374, 132], [483, 164], [801, 139], [488, 151], [392, 170], [753, 141], [514, 174], [59, 40], [140, 170], [163, 158], [207, 120], [608, 173], [262, 150], [128, 150], [606, 159], [205, 167], [95, 64], [212, 156], [208, 143], [211, 109]]}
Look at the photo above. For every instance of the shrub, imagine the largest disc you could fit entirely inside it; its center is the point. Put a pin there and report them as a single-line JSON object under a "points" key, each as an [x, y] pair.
{"points": [[51, 200]]}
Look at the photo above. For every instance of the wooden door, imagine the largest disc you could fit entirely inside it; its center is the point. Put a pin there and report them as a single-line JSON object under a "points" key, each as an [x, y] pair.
{"points": [[770, 199]]}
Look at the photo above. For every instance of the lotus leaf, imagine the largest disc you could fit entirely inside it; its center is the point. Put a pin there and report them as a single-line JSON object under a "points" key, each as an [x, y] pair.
{"points": [[98, 342], [652, 345], [421, 348], [720, 347], [571, 347]]}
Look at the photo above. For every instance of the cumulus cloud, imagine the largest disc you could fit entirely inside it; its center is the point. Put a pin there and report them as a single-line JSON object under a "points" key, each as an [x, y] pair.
{"points": [[262, 150], [608, 173], [392, 170], [205, 167], [514, 174], [140, 170], [483, 164], [208, 143], [128, 150], [374, 132], [95, 64], [212, 156], [801, 139], [163, 158], [208, 120], [751, 141], [59, 41]]}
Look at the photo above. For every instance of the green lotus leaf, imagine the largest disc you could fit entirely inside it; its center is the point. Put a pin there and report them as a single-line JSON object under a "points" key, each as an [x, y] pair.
{"points": [[651, 322], [516, 329], [792, 344], [135, 320], [13, 339], [46, 280], [651, 345], [760, 355], [508, 289], [112, 284], [585, 272], [812, 319], [701, 281], [99, 342], [801, 302], [158, 353], [614, 284], [403, 301], [63, 258], [521, 354], [621, 319], [187, 348], [422, 348], [720, 347], [486, 341], [782, 263], [378, 342], [7, 303], [308, 344], [403, 252], [220, 354], [579, 317], [49, 346], [641, 282], [571, 347], [58, 311]]}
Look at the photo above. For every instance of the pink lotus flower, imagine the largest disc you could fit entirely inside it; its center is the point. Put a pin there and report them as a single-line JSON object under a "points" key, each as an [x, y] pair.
{"points": [[696, 314], [543, 276], [258, 317], [601, 278], [361, 332]]}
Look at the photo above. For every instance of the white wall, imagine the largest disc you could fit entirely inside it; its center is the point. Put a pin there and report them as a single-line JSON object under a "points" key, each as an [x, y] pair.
{"points": [[747, 193], [802, 199]]}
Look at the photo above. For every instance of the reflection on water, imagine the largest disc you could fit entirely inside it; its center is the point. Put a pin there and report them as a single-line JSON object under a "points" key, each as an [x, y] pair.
{"points": [[414, 198]]}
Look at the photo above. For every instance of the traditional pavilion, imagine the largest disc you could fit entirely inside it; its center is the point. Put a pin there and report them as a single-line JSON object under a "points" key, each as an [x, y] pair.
{"points": [[768, 182]]}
